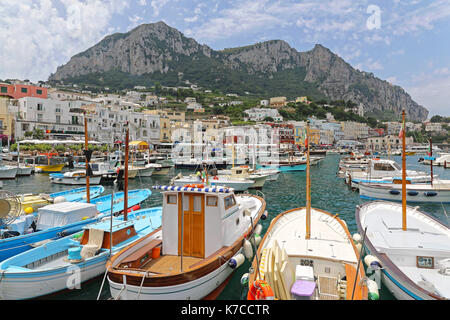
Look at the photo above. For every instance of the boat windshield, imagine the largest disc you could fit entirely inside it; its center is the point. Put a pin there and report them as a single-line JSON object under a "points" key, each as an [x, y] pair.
{"points": [[396, 166]]}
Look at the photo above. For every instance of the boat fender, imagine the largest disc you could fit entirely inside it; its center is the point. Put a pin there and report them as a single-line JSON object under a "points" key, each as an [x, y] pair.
{"points": [[430, 193], [264, 215], [356, 237], [394, 192], [373, 262], [359, 248], [244, 279], [236, 261], [133, 208], [257, 240], [260, 290], [373, 290], [28, 210], [412, 193], [59, 199], [258, 229], [248, 250]]}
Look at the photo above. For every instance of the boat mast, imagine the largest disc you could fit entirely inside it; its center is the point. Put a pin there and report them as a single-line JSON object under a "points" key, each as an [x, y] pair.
{"points": [[431, 160], [308, 187], [88, 193], [125, 189], [403, 172]]}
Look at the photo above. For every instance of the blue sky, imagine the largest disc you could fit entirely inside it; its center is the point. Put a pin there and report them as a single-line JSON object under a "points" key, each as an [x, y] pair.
{"points": [[404, 42]]}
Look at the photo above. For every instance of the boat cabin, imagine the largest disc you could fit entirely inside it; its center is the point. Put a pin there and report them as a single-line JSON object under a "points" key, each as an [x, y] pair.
{"points": [[380, 166], [64, 213], [199, 221]]}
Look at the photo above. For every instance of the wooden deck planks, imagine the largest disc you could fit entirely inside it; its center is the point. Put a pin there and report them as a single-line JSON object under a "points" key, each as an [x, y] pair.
{"points": [[328, 288], [168, 264]]}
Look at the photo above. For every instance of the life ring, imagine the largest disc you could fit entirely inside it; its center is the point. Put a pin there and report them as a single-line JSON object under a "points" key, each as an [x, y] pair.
{"points": [[260, 290]]}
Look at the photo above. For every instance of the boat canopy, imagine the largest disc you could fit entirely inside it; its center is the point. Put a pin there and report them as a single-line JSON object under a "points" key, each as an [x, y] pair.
{"points": [[64, 213], [140, 145], [57, 142]]}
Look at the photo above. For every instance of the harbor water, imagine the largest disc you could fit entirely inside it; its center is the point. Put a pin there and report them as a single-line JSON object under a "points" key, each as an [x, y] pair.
{"points": [[328, 192]]}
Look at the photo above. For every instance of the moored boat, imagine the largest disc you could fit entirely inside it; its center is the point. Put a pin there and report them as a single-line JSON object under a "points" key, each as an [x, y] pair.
{"points": [[203, 230], [408, 248], [49, 268], [74, 178], [307, 254]]}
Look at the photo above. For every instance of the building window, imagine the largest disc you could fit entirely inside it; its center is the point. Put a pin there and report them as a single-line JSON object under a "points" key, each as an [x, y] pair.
{"points": [[57, 110], [38, 91], [39, 117], [4, 90], [58, 119], [23, 90], [39, 107]]}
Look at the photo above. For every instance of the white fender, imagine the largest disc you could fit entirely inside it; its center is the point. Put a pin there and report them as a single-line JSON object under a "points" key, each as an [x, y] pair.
{"points": [[258, 229], [248, 250], [373, 290], [372, 262], [236, 261]]}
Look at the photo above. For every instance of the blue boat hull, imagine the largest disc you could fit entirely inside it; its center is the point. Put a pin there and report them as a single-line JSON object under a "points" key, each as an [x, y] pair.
{"points": [[23, 283], [79, 194], [12, 246]]}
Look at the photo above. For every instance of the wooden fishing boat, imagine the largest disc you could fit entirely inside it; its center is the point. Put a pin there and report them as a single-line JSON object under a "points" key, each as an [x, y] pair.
{"points": [[408, 248], [204, 232], [48, 269], [307, 254]]}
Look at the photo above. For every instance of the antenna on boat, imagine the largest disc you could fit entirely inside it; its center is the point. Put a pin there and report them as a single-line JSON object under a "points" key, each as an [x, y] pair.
{"points": [[402, 133], [431, 160], [308, 186], [125, 189], [88, 158]]}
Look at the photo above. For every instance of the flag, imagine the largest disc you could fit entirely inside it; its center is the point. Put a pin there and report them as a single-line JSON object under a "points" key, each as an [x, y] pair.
{"points": [[306, 139], [402, 131]]}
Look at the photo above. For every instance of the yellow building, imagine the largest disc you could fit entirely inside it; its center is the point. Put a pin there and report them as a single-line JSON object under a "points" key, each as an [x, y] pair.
{"points": [[278, 102], [6, 118], [301, 99]]}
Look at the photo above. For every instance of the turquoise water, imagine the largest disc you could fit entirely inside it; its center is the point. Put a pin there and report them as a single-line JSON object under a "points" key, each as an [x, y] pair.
{"points": [[328, 192]]}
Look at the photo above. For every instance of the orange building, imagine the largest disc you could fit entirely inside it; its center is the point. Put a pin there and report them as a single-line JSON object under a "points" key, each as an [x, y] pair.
{"points": [[17, 91]]}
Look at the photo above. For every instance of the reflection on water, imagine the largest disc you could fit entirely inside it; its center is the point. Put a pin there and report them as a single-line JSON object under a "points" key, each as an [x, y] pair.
{"points": [[328, 192]]}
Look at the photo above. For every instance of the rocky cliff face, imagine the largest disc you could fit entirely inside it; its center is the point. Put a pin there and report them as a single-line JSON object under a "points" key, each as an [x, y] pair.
{"points": [[158, 48]]}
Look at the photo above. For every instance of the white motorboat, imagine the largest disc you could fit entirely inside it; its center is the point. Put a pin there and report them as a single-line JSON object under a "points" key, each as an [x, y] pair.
{"points": [[8, 172], [74, 178], [408, 248], [244, 172], [436, 192], [382, 168], [412, 262]]}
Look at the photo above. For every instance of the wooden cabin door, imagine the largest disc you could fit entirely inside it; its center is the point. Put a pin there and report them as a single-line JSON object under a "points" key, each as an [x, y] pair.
{"points": [[192, 206]]}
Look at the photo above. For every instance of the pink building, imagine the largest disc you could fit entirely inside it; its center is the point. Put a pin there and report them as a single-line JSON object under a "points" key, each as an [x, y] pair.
{"points": [[17, 91]]}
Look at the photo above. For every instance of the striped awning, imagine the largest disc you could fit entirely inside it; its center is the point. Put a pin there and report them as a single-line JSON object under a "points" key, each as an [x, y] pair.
{"points": [[191, 189]]}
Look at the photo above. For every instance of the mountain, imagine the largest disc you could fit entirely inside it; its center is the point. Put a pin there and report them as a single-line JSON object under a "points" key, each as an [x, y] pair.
{"points": [[158, 53]]}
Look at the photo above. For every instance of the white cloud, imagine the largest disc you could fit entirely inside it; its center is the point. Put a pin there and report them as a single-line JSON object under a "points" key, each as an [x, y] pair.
{"points": [[143, 2], [433, 94], [37, 37], [191, 19], [157, 5]]}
